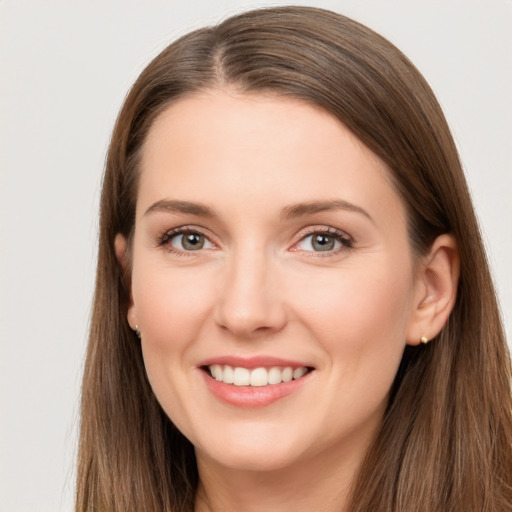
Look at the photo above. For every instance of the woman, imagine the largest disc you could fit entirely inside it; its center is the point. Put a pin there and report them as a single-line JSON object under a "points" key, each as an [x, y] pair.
{"points": [[293, 305]]}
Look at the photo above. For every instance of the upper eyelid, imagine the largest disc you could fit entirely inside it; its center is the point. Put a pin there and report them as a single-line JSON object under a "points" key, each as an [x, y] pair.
{"points": [[300, 235], [164, 241], [330, 230], [186, 229], [302, 232], [346, 240], [167, 235]]}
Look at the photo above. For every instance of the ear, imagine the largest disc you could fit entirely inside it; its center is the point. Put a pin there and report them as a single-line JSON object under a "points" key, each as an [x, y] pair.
{"points": [[121, 247], [435, 290]]}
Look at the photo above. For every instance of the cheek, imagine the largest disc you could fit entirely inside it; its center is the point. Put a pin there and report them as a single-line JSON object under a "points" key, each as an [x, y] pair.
{"points": [[359, 321], [168, 302], [358, 311], [171, 306]]}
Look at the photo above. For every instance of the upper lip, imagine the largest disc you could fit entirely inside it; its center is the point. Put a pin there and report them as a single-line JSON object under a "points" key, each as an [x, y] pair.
{"points": [[253, 362]]}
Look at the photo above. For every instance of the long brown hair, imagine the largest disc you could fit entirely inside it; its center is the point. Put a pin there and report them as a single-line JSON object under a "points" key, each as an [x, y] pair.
{"points": [[446, 439]]}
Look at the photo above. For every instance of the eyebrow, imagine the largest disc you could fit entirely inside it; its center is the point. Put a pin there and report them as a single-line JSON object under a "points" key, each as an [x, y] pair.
{"points": [[174, 206], [312, 207], [288, 212]]}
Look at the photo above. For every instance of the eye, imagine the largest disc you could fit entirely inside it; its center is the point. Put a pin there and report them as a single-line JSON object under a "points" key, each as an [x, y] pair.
{"points": [[186, 240], [319, 242], [330, 241]]}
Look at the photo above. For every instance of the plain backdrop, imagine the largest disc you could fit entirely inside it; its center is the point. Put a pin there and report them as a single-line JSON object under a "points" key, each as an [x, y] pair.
{"points": [[65, 67]]}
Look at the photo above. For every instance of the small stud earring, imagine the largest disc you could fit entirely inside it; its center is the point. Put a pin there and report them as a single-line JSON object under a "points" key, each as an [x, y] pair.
{"points": [[424, 340], [137, 331]]}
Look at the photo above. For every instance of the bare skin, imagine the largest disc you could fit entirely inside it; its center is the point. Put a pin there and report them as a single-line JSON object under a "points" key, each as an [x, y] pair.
{"points": [[265, 229]]}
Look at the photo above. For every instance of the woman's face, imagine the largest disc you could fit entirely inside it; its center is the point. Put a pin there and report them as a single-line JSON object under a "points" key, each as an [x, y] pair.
{"points": [[271, 246]]}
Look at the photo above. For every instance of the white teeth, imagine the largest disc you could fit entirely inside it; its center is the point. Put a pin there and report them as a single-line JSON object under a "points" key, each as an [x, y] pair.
{"points": [[274, 376], [287, 374], [257, 377], [241, 377], [216, 371], [228, 375], [299, 372]]}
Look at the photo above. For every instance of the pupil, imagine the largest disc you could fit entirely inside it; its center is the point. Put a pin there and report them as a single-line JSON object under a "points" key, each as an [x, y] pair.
{"points": [[193, 241], [323, 243]]}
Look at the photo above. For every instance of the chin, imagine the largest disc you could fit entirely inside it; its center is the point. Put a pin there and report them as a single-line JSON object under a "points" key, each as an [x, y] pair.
{"points": [[255, 460], [250, 453]]}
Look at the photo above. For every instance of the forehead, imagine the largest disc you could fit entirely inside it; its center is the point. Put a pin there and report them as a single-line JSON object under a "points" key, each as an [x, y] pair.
{"points": [[222, 146]]}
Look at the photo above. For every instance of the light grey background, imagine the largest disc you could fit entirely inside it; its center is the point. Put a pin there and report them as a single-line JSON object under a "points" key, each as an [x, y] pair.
{"points": [[64, 70]]}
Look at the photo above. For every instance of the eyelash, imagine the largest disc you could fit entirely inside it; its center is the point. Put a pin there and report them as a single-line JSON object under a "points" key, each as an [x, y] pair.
{"points": [[347, 242], [165, 239]]}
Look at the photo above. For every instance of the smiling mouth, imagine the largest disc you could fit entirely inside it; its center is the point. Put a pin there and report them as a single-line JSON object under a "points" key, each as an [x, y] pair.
{"points": [[255, 377]]}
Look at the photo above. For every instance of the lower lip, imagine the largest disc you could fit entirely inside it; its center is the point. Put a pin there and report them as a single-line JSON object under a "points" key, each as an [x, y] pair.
{"points": [[253, 396]]}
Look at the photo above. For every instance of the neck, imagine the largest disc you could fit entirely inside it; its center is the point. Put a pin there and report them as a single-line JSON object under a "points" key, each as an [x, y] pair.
{"points": [[321, 483]]}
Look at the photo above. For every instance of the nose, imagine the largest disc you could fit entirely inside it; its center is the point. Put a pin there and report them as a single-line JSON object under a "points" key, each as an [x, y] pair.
{"points": [[251, 298]]}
